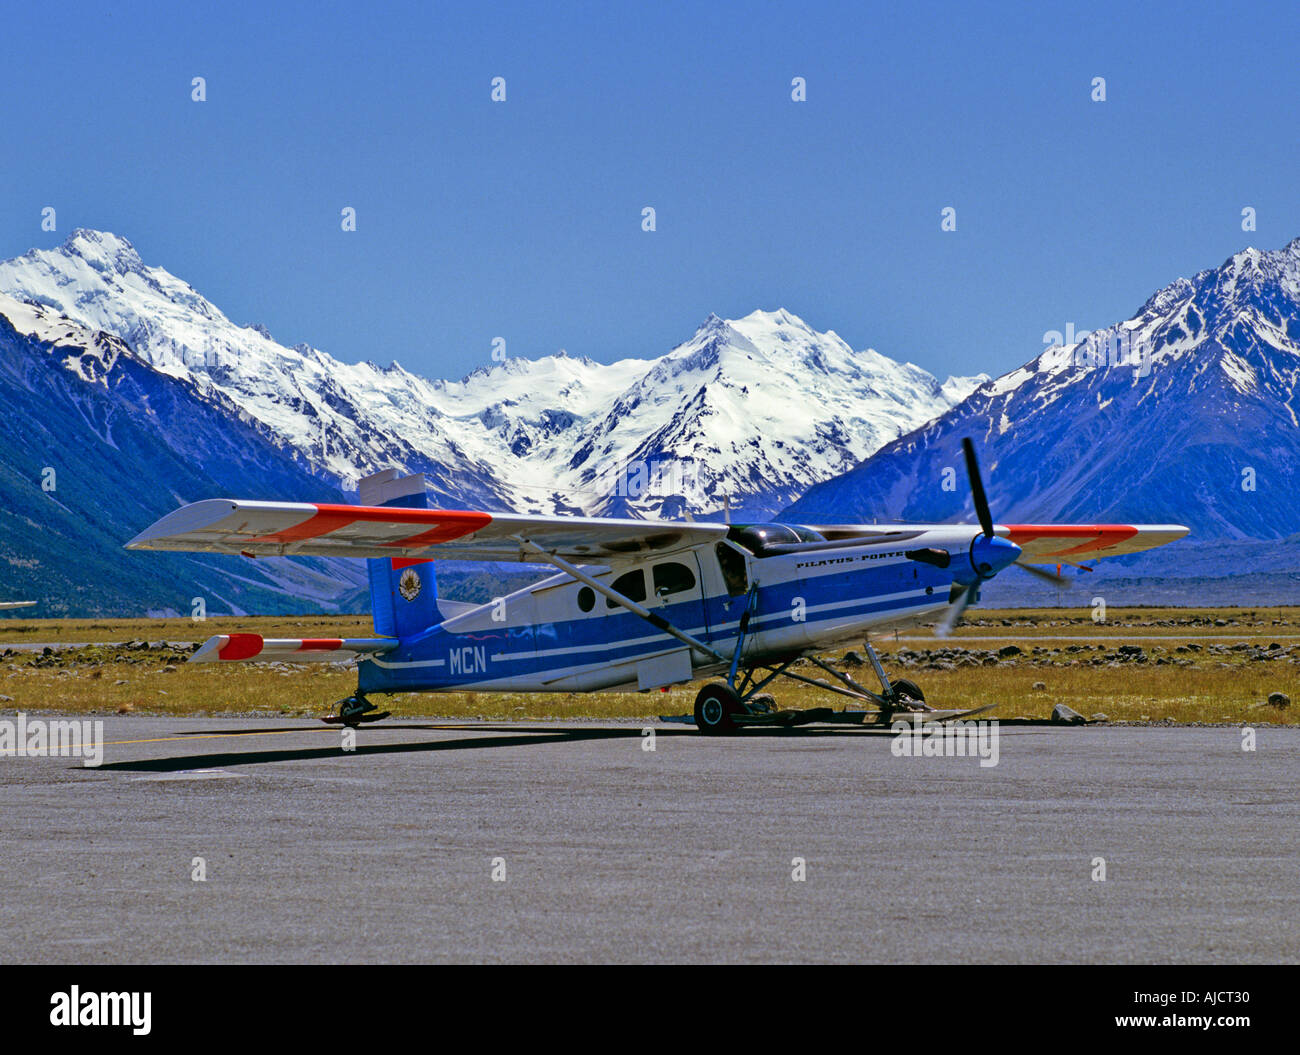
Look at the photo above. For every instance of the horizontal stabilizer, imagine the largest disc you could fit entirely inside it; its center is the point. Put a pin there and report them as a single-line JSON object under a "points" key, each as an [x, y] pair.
{"points": [[254, 648]]}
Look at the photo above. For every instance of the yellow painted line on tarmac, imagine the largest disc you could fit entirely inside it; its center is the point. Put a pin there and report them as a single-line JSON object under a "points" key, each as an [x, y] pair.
{"points": [[304, 729], [285, 732], [164, 739], [210, 736]]}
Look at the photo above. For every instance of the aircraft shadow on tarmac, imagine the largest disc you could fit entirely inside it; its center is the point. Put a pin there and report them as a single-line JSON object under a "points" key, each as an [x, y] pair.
{"points": [[500, 736]]}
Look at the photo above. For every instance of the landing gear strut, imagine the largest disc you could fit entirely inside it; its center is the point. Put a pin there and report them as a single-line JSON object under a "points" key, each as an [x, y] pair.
{"points": [[724, 707]]}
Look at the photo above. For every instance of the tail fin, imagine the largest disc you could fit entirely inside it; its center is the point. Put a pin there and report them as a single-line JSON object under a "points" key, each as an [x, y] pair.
{"points": [[403, 592]]}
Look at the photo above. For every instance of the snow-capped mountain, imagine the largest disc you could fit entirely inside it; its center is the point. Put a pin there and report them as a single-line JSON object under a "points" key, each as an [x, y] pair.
{"points": [[755, 408], [141, 395], [97, 444], [1185, 413], [713, 417]]}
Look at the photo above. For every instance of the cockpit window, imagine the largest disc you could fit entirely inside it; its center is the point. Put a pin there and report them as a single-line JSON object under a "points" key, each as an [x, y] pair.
{"points": [[760, 538], [672, 577], [631, 586]]}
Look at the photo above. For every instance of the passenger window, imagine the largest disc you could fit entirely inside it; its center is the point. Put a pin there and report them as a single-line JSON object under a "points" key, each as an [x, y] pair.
{"points": [[586, 598], [631, 586], [672, 578], [732, 564]]}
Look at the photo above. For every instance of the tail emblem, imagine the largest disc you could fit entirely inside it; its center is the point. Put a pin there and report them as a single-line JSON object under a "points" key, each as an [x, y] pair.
{"points": [[409, 585]]}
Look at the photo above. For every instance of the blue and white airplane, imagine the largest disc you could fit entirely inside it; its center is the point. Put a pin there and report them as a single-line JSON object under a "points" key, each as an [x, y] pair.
{"points": [[634, 604]]}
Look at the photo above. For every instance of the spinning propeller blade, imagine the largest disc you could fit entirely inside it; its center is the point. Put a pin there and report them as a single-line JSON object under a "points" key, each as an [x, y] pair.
{"points": [[1044, 574], [977, 487], [955, 612], [983, 569], [989, 544]]}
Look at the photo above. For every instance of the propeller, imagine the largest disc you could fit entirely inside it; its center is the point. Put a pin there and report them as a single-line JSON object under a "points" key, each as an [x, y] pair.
{"points": [[977, 487], [1044, 574], [986, 518], [958, 607], [956, 610], [989, 554]]}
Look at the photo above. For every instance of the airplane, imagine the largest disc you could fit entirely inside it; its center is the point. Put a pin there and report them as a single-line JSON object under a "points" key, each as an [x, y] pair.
{"points": [[6, 606], [634, 604]]}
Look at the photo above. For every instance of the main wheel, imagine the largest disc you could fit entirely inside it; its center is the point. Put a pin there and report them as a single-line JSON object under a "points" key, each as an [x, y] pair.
{"points": [[715, 709], [902, 687]]}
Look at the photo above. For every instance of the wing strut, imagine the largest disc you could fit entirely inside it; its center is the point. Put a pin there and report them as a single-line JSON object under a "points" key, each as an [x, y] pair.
{"points": [[657, 621]]}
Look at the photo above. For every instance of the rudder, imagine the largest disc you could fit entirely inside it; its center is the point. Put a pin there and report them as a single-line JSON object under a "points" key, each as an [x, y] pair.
{"points": [[403, 592]]}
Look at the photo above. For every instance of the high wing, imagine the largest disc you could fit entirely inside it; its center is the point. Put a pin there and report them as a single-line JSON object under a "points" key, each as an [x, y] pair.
{"points": [[223, 525], [1039, 543], [1074, 543]]}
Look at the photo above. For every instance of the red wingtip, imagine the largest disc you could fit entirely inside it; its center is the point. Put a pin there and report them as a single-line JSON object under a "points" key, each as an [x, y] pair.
{"points": [[241, 646]]}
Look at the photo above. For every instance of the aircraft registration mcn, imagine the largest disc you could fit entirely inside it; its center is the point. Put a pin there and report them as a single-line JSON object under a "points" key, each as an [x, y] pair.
{"points": [[634, 604]]}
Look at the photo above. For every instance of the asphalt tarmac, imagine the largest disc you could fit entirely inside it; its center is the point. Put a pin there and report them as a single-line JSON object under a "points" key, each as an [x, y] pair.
{"points": [[604, 851]]}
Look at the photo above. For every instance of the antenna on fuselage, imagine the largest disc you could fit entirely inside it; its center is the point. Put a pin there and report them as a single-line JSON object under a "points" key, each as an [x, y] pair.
{"points": [[726, 508]]}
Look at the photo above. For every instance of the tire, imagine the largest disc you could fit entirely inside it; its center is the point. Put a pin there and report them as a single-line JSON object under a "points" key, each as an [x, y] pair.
{"points": [[910, 689], [715, 709]]}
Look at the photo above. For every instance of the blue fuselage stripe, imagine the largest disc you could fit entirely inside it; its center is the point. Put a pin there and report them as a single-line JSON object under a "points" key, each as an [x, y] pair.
{"points": [[440, 659]]}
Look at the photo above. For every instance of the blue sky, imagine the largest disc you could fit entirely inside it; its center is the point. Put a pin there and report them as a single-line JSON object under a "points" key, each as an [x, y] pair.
{"points": [[522, 219]]}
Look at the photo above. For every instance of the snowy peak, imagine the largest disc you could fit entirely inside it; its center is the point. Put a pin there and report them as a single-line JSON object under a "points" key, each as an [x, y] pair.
{"points": [[708, 348], [98, 279], [1252, 280], [955, 389], [96, 443], [533, 435], [1189, 412], [102, 249], [710, 326], [1231, 317], [721, 404], [779, 335]]}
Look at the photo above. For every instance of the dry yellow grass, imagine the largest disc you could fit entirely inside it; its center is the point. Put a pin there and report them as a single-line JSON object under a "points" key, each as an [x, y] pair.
{"points": [[25, 631], [1212, 684]]}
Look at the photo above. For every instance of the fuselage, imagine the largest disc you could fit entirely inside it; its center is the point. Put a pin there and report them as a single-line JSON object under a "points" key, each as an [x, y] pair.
{"points": [[560, 635]]}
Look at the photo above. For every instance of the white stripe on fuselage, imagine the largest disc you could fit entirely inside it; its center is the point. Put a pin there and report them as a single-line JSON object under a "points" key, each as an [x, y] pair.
{"points": [[696, 631], [783, 618], [410, 663]]}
